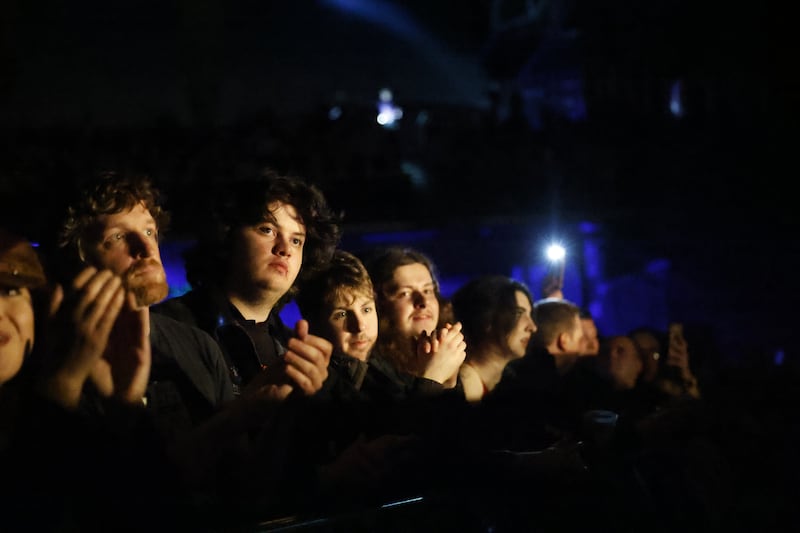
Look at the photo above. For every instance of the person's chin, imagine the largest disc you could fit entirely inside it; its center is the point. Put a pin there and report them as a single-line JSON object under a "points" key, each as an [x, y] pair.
{"points": [[150, 293], [359, 354], [278, 282], [417, 330]]}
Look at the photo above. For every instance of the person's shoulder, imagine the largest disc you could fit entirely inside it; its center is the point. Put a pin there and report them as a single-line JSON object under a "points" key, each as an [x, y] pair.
{"points": [[471, 382], [162, 322], [181, 308], [201, 307], [162, 325]]}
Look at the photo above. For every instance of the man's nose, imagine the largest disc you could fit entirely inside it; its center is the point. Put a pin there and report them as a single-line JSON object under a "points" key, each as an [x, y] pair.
{"points": [[356, 324], [281, 246], [140, 246], [419, 299]]}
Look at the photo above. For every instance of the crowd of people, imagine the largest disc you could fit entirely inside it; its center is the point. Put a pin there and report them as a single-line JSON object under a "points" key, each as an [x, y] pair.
{"points": [[494, 410]]}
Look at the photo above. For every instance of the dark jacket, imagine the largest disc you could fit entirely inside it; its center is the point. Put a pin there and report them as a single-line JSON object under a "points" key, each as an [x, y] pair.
{"points": [[189, 381], [210, 311]]}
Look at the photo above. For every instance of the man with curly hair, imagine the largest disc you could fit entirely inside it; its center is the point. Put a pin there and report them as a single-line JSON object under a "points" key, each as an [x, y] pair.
{"points": [[115, 224], [262, 236]]}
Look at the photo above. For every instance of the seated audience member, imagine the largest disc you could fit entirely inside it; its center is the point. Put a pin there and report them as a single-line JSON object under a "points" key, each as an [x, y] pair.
{"points": [[560, 331], [496, 315], [65, 467], [21, 276], [114, 223], [262, 235], [619, 362], [339, 304], [669, 374], [535, 383], [266, 233], [413, 339], [609, 381]]}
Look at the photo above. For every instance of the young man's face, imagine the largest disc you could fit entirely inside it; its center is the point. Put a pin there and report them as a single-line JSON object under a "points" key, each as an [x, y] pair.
{"points": [[268, 255], [127, 245], [520, 335], [411, 301], [16, 329], [353, 324]]}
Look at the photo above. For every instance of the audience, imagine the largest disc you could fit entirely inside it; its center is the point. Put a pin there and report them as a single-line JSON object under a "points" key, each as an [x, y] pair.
{"points": [[206, 412]]}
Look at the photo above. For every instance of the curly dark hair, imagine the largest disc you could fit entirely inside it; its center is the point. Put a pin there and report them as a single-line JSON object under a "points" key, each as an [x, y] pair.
{"points": [[244, 202], [487, 308], [107, 193]]}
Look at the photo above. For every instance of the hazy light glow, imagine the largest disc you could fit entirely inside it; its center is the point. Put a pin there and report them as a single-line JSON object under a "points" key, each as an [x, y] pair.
{"points": [[555, 252], [675, 99], [385, 118], [388, 113]]}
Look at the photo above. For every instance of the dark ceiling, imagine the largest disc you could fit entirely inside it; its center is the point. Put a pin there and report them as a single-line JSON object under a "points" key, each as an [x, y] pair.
{"points": [[552, 109]]}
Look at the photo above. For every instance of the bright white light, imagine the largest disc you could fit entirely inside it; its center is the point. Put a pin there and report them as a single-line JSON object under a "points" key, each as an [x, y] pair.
{"points": [[385, 118], [388, 115], [556, 252]]}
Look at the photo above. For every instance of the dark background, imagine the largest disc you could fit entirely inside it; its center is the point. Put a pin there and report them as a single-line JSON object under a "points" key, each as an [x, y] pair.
{"points": [[667, 125]]}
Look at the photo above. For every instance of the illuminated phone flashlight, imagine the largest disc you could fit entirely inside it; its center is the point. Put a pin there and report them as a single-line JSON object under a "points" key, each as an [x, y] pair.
{"points": [[556, 255], [389, 114], [556, 252]]}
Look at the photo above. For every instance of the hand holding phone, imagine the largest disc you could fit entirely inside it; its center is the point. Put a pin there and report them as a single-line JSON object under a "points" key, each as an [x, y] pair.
{"points": [[677, 353]]}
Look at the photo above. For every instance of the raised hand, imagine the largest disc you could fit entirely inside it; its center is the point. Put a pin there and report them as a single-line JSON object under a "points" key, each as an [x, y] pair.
{"points": [[440, 354], [125, 367], [307, 359], [305, 368], [77, 332]]}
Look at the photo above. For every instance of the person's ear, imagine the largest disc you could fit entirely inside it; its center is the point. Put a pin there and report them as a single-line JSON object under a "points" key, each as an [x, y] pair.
{"points": [[562, 341]]}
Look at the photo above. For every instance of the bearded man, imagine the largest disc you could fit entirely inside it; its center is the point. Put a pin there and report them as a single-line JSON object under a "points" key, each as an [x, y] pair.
{"points": [[114, 225]]}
